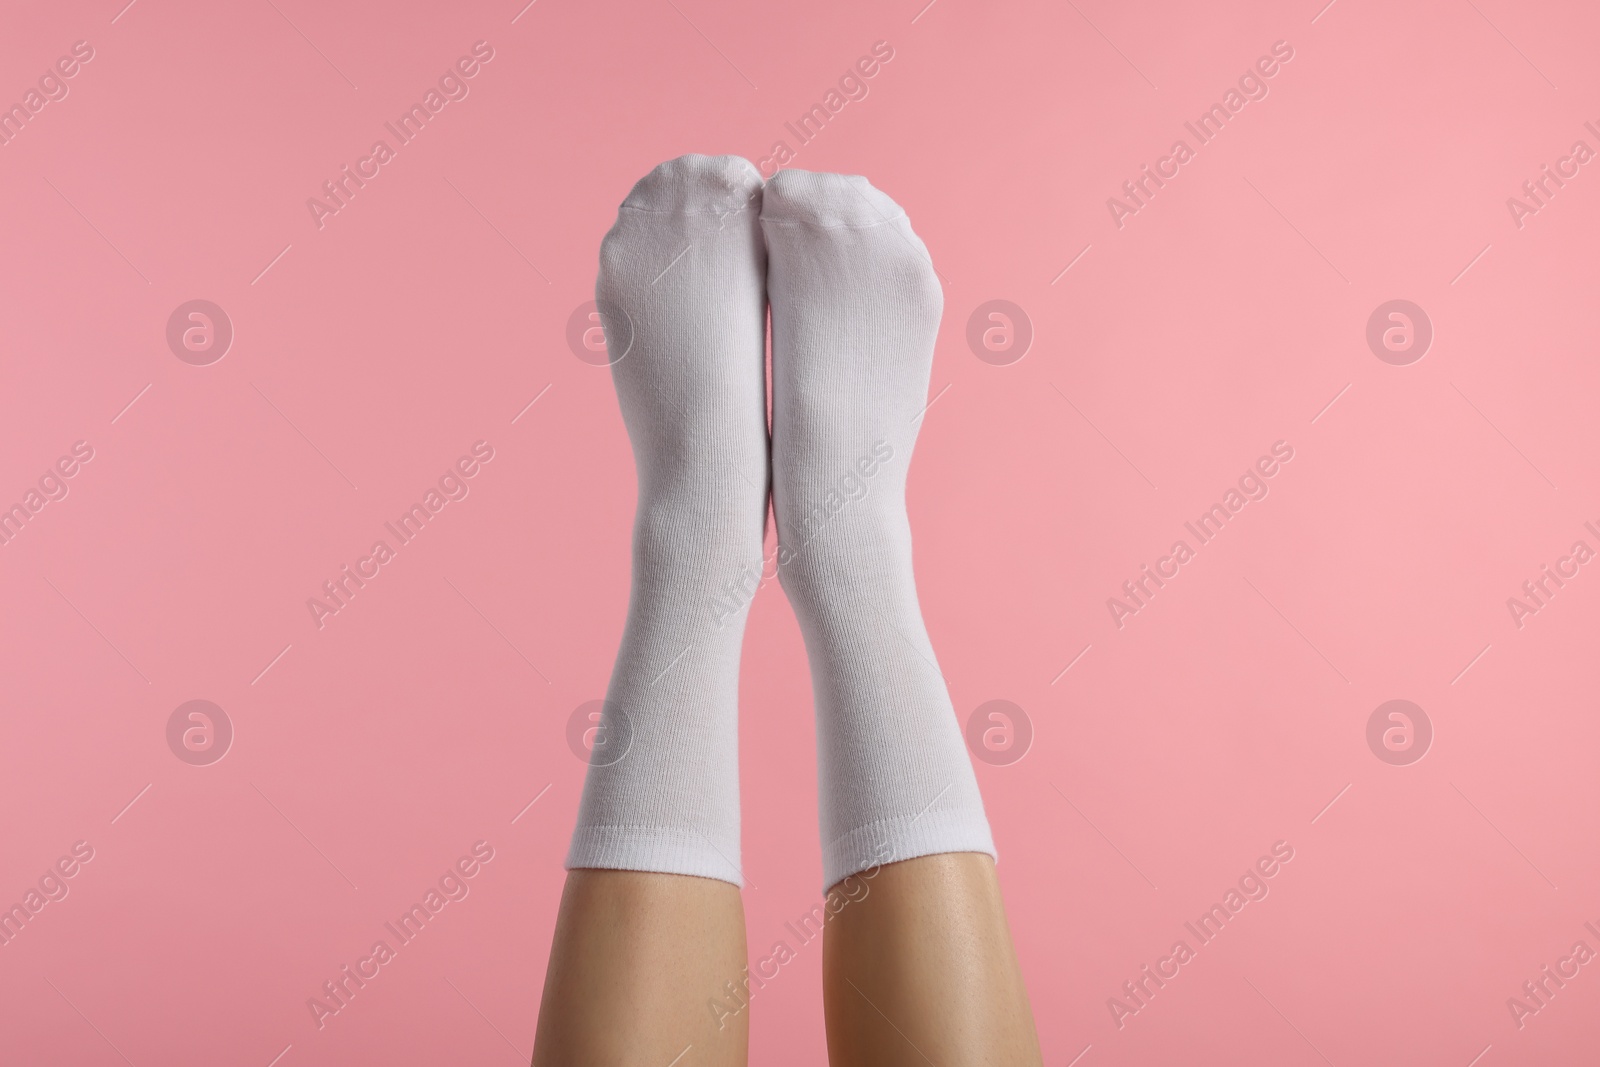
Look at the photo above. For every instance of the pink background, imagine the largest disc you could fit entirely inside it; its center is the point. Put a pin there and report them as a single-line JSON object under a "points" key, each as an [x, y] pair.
{"points": [[1224, 316]]}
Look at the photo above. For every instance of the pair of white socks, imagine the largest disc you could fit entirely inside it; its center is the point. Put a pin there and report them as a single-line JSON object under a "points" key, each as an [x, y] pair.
{"points": [[700, 250]]}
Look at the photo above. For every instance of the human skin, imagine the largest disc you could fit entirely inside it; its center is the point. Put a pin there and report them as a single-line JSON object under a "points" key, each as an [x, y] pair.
{"points": [[637, 957], [921, 970]]}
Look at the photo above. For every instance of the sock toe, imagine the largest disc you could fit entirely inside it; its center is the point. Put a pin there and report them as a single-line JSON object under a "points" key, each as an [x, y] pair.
{"points": [[698, 185], [828, 200]]}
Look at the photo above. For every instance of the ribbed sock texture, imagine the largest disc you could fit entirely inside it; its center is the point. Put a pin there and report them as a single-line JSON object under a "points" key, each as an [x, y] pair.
{"points": [[681, 296], [855, 310]]}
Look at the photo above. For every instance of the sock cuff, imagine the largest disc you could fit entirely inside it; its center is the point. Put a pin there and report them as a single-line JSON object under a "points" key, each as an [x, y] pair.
{"points": [[905, 837], [662, 849], [829, 201]]}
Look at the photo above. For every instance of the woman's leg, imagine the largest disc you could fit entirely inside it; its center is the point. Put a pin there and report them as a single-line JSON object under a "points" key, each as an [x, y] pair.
{"points": [[638, 959], [921, 970], [651, 925]]}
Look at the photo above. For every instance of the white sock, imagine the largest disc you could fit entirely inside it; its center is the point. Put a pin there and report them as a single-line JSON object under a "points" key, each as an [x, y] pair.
{"points": [[855, 309], [681, 297]]}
